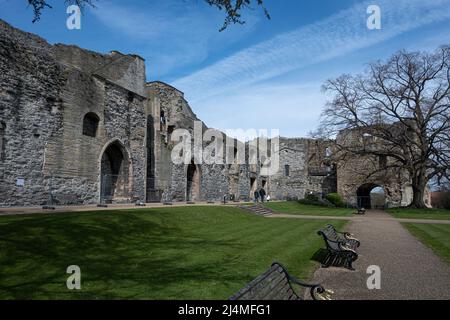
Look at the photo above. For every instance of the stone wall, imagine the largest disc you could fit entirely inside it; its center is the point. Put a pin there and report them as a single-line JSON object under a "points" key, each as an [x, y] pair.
{"points": [[291, 181], [367, 172], [30, 110], [171, 111], [303, 169], [45, 92]]}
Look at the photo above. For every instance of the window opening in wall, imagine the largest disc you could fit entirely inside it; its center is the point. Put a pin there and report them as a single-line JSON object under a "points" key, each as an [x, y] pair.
{"points": [[90, 124]]}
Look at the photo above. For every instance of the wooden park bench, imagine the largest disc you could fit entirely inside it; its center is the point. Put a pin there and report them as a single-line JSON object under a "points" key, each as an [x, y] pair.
{"points": [[340, 246], [277, 284]]}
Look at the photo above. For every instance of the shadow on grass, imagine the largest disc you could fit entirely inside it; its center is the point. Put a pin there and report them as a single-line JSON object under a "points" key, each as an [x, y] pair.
{"points": [[120, 256]]}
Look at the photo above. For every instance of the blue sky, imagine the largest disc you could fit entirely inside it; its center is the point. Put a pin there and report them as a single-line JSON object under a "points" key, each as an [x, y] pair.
{"points": [[266, 74]]}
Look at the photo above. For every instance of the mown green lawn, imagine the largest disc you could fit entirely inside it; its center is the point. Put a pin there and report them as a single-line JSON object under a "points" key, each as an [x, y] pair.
{"points": [[293, 207], [165, 253], [436, 236], [408, 213]]}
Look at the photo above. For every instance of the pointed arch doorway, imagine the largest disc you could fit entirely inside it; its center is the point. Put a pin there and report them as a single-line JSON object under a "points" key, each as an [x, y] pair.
{"points": [[115, 169], [371, 196], [193, 176]]}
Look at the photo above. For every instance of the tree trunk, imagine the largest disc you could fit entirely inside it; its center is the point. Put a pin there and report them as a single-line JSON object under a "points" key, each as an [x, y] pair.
{"points": [[418, 201], [418, 193]]}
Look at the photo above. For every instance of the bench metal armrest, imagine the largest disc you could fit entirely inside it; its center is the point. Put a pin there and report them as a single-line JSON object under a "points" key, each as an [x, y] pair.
{"points": [[349, 236], [316, 291], [346, 234], [343, 247]]}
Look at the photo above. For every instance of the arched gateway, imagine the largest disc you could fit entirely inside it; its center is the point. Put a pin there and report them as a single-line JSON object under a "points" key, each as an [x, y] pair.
{"points": [[371, 196], [114, 177], [193, 175]]}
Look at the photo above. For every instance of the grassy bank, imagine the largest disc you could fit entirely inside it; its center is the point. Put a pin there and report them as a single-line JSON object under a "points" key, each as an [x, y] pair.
{"points": [[409, 213], [436, 236], [294, 207], [164, 253]]}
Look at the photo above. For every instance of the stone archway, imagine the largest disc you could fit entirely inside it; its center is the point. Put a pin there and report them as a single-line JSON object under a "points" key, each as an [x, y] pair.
{"points": [[114, 173], [371, 196], [193, 176]]}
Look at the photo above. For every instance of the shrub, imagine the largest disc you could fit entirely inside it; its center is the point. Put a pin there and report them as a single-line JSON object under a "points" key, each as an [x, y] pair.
{"points": [[312, 199], [311, 203], [335, 199]]}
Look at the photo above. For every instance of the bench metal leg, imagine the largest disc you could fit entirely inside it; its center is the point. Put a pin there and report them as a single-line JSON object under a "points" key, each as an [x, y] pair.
{"points": [[350, 258], [349, 264]]}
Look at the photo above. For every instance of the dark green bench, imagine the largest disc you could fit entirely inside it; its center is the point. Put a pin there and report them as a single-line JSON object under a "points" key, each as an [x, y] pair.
{"points": [[340, 246], [277, 284], [346, 237]]}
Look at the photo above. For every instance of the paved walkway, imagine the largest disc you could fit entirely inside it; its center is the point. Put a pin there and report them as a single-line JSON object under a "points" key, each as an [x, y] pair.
{"points": [[361, 218], [409, 269]]}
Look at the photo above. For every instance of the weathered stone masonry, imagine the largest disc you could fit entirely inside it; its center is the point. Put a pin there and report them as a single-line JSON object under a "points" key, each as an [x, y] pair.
{"points": [[80, 127], [45, 93]]}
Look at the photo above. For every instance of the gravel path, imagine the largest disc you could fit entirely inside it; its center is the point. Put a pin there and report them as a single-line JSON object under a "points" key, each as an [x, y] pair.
{"points": [[360, 218], [409, 269]]}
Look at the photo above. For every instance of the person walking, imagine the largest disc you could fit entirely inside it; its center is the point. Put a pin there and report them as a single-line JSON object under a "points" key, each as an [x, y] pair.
{"points": [[262, 194], [256, 194]]}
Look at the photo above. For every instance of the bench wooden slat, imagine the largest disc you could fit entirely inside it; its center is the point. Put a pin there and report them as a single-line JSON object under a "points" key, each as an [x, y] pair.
{"points": [[274, 284], [279, 291], [263, 285]]}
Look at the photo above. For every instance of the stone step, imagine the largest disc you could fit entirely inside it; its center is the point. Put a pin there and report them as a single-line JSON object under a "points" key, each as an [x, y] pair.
{"points": [[257, 209]]}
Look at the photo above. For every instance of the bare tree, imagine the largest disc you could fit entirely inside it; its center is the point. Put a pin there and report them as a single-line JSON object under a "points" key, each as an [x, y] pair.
{"points": [[232, 8], [404, 103]]}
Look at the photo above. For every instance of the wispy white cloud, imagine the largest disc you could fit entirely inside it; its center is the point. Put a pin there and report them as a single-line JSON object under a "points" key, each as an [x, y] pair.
{"points": [[292, 108], [337, 35], [170, 33]]}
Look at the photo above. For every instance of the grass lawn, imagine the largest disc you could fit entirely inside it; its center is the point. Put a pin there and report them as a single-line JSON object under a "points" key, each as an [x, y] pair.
{"points": [[436, 236], [438, 214], [293, 207], [164, 253]]}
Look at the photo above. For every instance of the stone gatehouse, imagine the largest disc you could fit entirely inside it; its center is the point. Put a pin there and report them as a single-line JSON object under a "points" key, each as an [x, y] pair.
{"points": [[80, 127]]}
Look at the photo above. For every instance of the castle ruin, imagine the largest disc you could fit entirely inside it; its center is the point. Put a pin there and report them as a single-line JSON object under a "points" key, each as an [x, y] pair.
{"points": [[80, 127]]}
